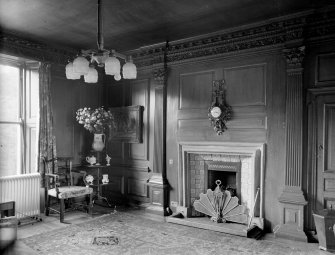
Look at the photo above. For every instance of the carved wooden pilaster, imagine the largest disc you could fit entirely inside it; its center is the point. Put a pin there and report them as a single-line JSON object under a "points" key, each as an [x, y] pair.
{"points": [[294, 112], [159, 186], [159, 78], [292, 197]]}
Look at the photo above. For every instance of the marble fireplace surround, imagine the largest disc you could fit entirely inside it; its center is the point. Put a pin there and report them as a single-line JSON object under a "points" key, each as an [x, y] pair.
{"points": [[252, 159]]}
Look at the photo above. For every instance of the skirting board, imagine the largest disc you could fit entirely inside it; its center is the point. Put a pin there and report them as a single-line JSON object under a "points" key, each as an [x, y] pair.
{"points": [[206, 223]]}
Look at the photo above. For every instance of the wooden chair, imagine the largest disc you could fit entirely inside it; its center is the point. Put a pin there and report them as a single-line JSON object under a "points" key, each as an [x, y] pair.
{"points": [[59, 185]]}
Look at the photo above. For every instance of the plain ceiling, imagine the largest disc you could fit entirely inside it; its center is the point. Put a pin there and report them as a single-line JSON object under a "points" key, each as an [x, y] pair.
{"points": [[130, 24]]}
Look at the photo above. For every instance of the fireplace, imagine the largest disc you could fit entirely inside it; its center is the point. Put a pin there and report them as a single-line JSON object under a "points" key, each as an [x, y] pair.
{"points": [[239, 166], [205, 172], [229, 173]]}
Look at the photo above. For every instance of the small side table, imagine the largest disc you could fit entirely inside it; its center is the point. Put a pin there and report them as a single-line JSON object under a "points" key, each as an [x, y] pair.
{"points": [[95, 171]]}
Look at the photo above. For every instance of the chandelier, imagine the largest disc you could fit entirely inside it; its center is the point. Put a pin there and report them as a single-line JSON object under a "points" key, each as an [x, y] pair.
{"points": [[87, 60]]}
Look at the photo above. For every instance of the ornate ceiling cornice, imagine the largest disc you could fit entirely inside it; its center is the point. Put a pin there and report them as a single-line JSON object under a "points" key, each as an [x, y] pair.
{"points": [[321, 25], [310, 26], [16, 45]]}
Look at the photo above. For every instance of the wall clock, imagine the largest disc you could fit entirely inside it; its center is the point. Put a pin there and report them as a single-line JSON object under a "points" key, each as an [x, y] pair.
{"points": [[215, 111], [219, 112]]}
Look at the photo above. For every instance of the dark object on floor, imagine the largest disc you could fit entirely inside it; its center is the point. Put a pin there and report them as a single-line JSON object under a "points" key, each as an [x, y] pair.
{"points": [[8, 225], [8, 232], [178, 215], [255, 232], [325, 228], [106, 240]]}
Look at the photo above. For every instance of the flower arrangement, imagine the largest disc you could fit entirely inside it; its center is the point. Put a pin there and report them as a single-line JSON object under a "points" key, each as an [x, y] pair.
{"points": [[94, 120], [89, 179]]}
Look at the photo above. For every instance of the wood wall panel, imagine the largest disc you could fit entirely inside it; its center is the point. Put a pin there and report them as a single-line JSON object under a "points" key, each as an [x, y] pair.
{"points": [[115, 150], [330, 185], [140, 90], [195, 90], [237, 122], [246, 85], [330, 136], [64, 118], [325, 74], [72, 140], [246, 92], [137, 187], [115, 184]]}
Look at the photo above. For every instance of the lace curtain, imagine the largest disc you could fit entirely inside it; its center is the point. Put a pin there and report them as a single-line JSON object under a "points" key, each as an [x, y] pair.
{"points": [[47, 140]]}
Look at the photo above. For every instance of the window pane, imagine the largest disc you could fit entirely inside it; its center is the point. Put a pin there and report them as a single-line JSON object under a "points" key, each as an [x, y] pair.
{"points": [[9, 149], [9, 93], [32, 88]]}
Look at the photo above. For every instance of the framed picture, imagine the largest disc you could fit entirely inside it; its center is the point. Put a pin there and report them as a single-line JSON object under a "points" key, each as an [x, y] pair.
{"points": [[127, 124]]}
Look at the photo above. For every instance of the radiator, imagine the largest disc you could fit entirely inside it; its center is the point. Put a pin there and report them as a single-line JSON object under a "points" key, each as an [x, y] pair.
{"points": [[24, 190]]}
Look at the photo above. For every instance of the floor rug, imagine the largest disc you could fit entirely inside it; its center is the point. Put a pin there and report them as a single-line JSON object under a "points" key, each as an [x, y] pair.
{"points": [[127, 233]]}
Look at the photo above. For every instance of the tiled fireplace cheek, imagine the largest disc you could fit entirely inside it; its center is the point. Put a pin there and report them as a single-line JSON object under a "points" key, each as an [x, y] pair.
{"points": [[196, 167]]}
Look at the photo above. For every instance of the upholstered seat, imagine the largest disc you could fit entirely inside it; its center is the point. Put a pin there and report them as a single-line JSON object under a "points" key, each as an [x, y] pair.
{"points": [[70, 191]]}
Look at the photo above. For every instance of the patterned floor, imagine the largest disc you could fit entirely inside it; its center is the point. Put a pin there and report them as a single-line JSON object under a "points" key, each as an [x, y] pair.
{"points": [[128, 233]]}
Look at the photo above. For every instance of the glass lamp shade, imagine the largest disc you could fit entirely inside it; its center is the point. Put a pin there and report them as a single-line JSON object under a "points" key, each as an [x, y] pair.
{"points": [[117, 77], [81, 65], [112, 66], [91, 76], [69, 72], [129, 71]]}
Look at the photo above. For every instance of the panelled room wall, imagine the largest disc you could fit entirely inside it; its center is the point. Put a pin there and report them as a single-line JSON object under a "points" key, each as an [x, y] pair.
{"points": [[261, 66], [67, 97], [255, 88], [174, 86]]}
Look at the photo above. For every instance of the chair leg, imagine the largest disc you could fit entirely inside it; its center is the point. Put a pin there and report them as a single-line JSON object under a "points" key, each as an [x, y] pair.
{"points": [[47, 206], [62, 210], [90, 205]]}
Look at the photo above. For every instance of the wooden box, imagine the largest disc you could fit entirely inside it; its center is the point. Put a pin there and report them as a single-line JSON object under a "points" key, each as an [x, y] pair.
{"points": [[324, 222]]}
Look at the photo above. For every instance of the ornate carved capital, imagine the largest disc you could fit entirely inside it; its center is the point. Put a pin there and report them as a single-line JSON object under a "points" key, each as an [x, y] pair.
{"points": [[294, 56], [159, 76]]}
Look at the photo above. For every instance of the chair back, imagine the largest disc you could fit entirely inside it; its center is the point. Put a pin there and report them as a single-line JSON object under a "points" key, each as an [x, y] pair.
{"points": [[58, 172]]}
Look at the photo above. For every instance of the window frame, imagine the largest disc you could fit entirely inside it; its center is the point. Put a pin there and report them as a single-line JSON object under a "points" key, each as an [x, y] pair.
{"points": [[25, 153]]}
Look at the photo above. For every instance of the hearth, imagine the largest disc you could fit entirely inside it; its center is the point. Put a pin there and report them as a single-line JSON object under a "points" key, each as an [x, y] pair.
{"points": [[239, 166]]}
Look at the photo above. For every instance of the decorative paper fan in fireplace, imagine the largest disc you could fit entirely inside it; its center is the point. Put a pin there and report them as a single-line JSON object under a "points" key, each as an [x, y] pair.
{"points": [[221, 206]]}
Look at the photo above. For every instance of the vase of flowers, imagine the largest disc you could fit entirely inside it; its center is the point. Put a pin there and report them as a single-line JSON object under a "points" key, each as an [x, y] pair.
{"points": [[98, 142], [96, 121]]}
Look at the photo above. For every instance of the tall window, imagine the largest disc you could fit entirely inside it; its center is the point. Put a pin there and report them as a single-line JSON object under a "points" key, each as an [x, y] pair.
{"points": [[19, 115]]}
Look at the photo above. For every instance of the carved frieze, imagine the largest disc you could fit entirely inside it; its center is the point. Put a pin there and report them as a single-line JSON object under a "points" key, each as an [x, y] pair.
{"points": [[317, 25], [159, 75], [18, 46]]}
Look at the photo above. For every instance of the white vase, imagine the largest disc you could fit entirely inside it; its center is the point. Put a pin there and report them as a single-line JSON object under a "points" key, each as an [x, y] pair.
{"points": [[98, 142]]}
